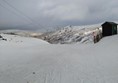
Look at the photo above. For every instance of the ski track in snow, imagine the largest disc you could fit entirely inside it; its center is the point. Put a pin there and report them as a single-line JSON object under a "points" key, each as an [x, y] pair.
{"points": [[36, 61]]}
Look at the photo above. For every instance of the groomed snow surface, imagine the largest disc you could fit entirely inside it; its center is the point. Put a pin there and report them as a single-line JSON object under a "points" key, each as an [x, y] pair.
{"points": [[30, 60]]}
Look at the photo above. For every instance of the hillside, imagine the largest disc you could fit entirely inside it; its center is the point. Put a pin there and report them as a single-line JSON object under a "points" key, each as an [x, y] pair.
{"points": [[72, 34]]}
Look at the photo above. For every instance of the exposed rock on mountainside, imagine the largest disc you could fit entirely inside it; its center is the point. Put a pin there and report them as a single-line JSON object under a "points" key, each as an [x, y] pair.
{"points": [[70, 34]]}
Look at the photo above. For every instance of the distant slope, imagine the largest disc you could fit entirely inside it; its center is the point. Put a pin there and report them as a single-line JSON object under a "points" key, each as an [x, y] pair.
{"points": [[24, 33], [72, 34]]}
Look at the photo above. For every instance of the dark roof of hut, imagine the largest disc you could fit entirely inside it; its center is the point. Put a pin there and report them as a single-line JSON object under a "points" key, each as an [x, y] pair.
{"points": [[112, 23]]}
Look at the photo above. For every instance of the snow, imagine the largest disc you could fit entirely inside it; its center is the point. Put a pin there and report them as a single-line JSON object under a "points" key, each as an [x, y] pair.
{"points": [[30, 60]]}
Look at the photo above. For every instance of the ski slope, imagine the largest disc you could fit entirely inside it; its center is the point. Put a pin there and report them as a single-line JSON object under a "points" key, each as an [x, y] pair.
{"points": [[30, 60]]}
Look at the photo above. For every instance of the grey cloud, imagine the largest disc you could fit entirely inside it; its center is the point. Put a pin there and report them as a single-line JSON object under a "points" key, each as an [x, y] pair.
{"points": [[52, 13]]}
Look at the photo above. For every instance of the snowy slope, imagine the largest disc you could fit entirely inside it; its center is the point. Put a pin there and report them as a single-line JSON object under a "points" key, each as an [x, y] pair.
{"points": [[36, 61], [72, 34]]}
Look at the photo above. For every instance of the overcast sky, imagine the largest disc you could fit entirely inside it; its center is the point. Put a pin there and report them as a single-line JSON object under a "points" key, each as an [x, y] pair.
{"points": [[39, 14]]}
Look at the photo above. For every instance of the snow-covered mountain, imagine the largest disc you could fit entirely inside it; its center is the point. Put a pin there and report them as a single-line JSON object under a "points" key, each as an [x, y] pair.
{"points": [[72, 34]]}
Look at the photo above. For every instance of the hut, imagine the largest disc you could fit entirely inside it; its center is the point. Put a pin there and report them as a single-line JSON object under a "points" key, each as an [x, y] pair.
{"points": [[109, 28]]}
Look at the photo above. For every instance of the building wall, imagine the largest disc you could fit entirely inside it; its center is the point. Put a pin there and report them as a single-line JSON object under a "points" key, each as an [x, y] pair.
{"points": [[107, 30]]}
